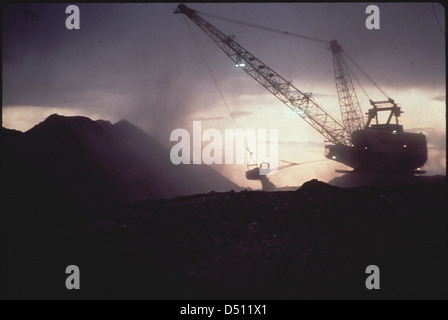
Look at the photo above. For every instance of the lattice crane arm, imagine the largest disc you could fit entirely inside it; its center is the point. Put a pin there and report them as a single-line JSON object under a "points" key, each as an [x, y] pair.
{"points": [[299, 102], [351, 113]]}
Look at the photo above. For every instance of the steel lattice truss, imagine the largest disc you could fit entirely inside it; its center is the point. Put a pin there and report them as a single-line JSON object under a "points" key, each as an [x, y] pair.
{"points": [[351, 113], [299, 102]]}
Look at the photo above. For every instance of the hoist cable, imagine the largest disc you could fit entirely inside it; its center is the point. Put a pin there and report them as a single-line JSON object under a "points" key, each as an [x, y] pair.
{"points": [[367, 76], [263, 28], [251, 154]]}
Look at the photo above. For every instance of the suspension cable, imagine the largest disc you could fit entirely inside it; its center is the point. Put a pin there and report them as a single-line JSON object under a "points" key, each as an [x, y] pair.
{"points": [[251, 154], [210, 72], [359, 83], [366, 75], [263, 28], [302, 68]]}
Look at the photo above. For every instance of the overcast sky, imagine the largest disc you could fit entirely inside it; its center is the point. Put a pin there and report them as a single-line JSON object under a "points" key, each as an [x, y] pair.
{"points": [[141, 62]]}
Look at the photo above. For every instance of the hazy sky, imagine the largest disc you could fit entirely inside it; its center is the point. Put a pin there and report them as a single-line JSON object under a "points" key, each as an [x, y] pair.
{"points": [[140, 62]]}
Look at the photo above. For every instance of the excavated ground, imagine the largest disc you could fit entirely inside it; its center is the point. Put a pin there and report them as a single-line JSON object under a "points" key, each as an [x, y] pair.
{"points": [[313, 243]]}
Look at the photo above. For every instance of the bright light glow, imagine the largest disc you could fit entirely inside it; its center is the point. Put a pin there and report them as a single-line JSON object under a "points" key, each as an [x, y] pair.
{"points": [[394, 132], [240, 65], [404, 146], [23, 118], [333, 157], [365, 148]]}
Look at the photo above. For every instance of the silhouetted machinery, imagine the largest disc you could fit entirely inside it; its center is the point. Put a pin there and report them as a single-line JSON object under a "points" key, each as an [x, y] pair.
{"points": [[366, 147]]}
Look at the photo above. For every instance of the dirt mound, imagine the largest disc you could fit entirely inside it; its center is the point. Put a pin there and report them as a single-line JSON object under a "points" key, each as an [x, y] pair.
{"points": [[315, 185]]}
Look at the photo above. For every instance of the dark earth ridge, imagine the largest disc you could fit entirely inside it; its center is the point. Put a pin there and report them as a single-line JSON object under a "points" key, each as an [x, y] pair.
{"points": [[313, 243]]}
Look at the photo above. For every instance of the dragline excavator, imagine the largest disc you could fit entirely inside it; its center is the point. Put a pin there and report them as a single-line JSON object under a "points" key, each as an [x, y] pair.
{"points": [[364, 146]]}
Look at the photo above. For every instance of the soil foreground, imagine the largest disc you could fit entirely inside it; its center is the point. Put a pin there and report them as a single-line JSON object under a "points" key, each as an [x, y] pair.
{"points": [[313, 243]]}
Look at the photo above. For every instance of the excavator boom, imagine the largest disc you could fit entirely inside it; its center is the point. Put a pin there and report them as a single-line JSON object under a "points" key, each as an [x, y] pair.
{"points": [[299, 102], [351, 113]]}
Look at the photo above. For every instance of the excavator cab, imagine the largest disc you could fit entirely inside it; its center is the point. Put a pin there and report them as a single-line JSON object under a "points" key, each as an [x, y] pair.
{"points": [[382, 147]]}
